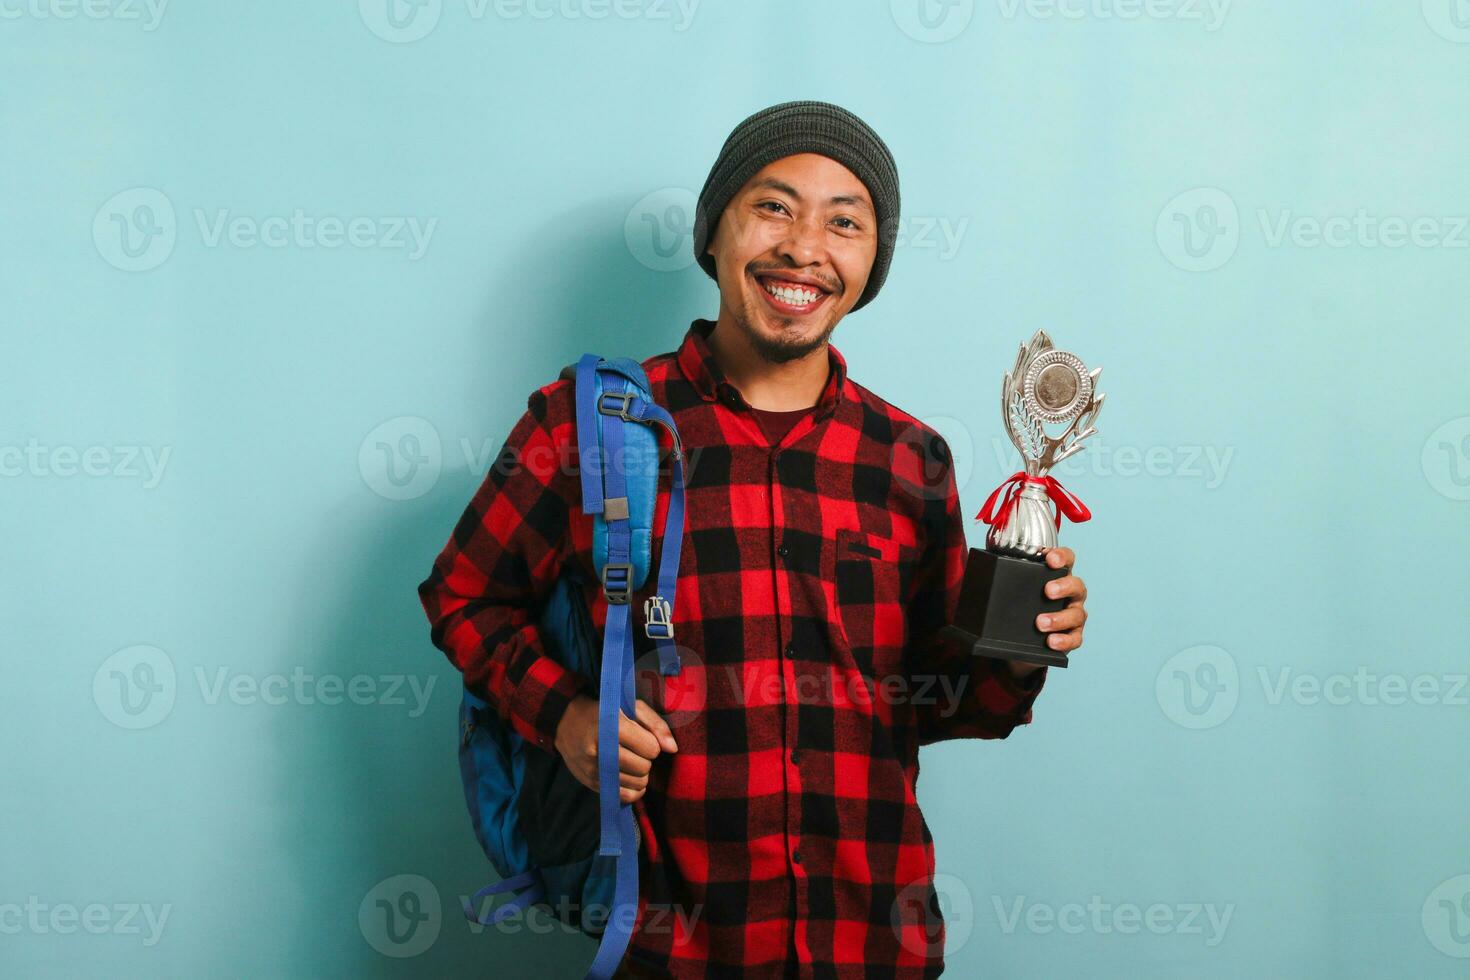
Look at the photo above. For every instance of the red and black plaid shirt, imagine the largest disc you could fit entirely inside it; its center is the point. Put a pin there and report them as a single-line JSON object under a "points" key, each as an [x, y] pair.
{"points": [[784, 837]]}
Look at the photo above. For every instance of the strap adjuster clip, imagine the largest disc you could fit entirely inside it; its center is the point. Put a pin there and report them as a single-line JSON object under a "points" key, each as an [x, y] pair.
{"points": [[623, 399], [659, 618], [617, 582]]}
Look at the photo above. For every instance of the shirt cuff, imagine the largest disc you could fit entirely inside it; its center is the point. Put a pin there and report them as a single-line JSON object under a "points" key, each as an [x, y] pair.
{"points": [[542, 697], [1023, 690]]}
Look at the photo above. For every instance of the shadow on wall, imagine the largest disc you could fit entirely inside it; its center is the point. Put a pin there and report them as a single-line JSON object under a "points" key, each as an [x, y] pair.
{"points": [[371, 792]]}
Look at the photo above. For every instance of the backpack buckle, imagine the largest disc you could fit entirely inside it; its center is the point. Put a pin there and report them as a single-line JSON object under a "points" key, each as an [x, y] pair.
{"points": [[659, 618], [617, 581], [624, 398]]}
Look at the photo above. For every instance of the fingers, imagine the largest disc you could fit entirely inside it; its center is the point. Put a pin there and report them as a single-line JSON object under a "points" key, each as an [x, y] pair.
{"points": [[633, 764], [1065, 625], [632, 775], [1065, 641], [640, 740], [633, 735], [1060, 557], [1067, 585], [654, 722], [1067, 619]]}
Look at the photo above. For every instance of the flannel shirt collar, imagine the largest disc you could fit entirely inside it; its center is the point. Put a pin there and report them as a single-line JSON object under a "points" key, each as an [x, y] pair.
{"points": [[697, 362]]}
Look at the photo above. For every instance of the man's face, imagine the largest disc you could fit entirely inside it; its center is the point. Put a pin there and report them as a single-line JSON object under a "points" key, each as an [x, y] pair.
{"points": [[793, 251]]}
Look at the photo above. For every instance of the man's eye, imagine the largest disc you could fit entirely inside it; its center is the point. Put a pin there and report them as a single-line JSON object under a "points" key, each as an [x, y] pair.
{"points": [[850, 223], [776, 204]]}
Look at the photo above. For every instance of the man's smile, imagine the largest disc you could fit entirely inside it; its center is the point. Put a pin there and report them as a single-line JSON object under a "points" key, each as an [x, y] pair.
{"points": [[792, 295]]}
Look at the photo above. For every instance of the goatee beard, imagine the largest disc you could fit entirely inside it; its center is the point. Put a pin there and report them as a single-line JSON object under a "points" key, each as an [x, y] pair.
{"points": [[779, 351]]}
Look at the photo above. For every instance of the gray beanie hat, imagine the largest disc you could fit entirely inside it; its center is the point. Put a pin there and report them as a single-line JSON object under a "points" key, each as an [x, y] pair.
{"points": [[803, 127]]}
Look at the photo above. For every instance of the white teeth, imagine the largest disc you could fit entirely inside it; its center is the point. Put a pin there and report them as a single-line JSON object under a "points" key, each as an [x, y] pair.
{"points": [[797, 296]]}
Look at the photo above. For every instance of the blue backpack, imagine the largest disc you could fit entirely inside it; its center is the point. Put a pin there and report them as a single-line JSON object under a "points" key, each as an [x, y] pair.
{"points": [[554, 842]]}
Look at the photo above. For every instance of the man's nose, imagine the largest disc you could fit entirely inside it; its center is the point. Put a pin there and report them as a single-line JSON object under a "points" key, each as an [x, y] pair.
{"points": [[803, 243]]}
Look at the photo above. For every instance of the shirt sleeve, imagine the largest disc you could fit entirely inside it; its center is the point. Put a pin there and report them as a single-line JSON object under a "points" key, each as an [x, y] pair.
{"points": [[502, 560], [957, 694]]}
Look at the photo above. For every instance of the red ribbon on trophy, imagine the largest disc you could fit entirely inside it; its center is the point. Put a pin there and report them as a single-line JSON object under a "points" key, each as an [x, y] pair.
{"points": [[1005, 496]]}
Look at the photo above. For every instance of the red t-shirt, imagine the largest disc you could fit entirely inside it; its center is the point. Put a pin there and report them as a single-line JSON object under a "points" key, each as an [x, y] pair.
{"points": [[776, 424]]}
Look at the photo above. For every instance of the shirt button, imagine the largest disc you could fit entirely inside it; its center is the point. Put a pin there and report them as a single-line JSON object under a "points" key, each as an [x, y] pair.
{"points": [[795, 756], [796, 857], [783, 551]]}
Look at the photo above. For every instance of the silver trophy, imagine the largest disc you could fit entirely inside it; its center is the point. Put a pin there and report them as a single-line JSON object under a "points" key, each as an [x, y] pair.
{"points": [[1003, 589]]}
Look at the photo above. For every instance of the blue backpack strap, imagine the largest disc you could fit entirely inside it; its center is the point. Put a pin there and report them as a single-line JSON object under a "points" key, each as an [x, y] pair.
{"points": [[603, 411], [658, 608], [527, 891], [586, 386], [615, 697]]}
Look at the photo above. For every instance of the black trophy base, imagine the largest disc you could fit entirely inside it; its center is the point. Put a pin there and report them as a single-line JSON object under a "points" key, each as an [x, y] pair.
{"points": [[999, 603]]}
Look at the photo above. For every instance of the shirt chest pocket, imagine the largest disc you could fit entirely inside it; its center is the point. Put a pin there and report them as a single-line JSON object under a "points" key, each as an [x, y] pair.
{"points": [[871, 576]]}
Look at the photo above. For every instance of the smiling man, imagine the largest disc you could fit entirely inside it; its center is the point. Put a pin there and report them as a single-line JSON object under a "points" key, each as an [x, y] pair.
{"points": [[774, 779]]}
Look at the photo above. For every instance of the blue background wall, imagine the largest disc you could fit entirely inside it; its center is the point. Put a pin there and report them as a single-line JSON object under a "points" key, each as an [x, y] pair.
{"points": [[230, 451]]}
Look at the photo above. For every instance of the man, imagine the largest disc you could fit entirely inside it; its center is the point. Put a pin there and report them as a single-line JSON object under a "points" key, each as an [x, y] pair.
{"points": [[774, 777]]}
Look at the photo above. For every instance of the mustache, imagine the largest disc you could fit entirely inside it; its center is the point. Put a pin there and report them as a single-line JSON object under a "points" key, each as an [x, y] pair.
{"points": [[831, 286]]}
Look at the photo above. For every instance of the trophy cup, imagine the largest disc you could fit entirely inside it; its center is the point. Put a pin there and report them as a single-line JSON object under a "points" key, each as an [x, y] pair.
{"points": [[1003, 589]]}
